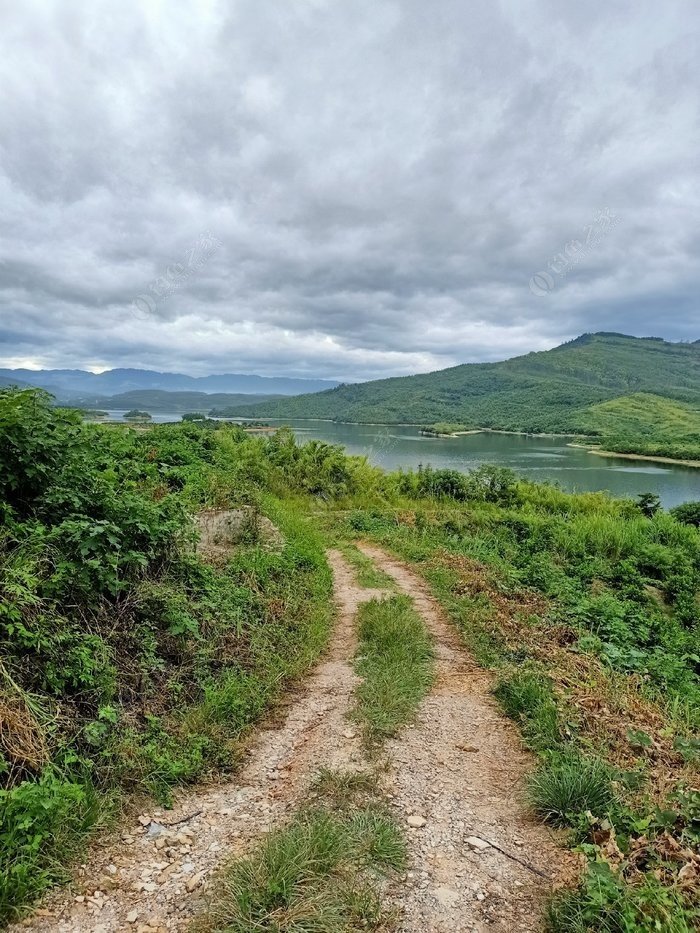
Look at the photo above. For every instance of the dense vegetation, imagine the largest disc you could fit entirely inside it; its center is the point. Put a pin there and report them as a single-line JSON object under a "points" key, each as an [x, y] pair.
{"points": [[627, 389], [131, 664], [127, 662]]}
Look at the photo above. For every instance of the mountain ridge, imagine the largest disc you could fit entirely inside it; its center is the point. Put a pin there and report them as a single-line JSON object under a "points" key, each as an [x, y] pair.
{"points": [[542, 391], [69, 384]]}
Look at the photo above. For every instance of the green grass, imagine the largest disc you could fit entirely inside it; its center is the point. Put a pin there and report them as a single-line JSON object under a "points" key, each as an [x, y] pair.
{"points": [[642, 415], [527, 697], [565, 788], [318, 874], [396, 660], [367, 574]]}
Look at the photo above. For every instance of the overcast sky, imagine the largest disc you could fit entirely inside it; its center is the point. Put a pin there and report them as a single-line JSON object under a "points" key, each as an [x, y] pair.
{"points": [[343, 188]]}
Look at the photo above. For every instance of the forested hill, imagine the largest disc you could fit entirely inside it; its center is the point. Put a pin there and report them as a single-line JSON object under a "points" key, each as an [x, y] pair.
{"points": [[552, 390]]}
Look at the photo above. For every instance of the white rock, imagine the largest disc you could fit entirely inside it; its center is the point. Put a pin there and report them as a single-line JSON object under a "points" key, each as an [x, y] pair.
{"points": [[416, 821], [132, 916], [476, 843]]}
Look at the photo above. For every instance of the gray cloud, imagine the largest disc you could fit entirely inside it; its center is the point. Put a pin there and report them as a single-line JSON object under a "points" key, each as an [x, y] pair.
{"points": [[384, 178]]}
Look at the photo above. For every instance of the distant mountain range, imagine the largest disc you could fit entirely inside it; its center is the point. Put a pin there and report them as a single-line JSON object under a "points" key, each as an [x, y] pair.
{"points": [[655, 385], [77, 385]]}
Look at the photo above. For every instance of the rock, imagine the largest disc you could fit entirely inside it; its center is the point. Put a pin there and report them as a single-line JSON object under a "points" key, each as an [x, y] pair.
{"points": [[132, 916], [144, 820], [475, 842], [195, 881], [416, 821], [167, 872], [155, 829], [80, 899], [349, 734]]}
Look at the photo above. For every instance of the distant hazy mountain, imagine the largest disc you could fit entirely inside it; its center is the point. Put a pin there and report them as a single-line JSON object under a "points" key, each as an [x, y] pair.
{"points": [[158, 400], [68, 384]]}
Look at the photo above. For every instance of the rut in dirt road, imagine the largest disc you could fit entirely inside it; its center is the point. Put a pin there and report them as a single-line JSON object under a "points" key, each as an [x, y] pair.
{"points": [[151, 878], [459, 768]]}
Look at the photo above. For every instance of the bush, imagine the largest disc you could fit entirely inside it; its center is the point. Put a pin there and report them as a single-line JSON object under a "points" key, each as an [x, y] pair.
{"points": [[42, 824], [688, 513]]}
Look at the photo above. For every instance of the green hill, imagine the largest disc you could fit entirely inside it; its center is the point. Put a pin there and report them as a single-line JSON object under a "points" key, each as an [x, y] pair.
{"points": [[560, 390]]}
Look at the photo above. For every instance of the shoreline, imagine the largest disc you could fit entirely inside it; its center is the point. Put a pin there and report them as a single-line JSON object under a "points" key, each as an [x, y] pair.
{"points": [[649, 457]]}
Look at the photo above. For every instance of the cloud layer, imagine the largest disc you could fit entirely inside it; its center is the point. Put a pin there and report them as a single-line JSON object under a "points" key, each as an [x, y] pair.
{"points": [[348, 190]]}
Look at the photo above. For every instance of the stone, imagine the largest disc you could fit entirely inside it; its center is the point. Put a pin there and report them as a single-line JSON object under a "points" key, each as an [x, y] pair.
{"points": [[195, 881], [416, 821], [132, 916], [475, 842]]}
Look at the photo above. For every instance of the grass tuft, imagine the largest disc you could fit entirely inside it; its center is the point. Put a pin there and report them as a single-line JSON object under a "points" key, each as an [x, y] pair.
{"points": [[316, 875], [568, 786], [527, 697], [395, 660]]}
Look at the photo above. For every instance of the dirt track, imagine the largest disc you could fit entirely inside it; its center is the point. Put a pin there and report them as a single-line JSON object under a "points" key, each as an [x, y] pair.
{"points": [[458, 768]]}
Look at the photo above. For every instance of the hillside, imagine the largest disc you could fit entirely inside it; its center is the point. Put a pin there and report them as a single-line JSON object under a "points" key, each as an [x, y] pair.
{"points": [[553, 390], [69, 384]]}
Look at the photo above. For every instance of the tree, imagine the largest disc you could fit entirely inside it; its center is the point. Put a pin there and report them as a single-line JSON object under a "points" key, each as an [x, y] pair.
{"points": [[648, 504], [194, 416]]}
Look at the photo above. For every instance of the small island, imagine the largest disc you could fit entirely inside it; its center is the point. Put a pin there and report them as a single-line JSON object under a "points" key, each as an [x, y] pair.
{"points": [[447, 429], [135, 415]]}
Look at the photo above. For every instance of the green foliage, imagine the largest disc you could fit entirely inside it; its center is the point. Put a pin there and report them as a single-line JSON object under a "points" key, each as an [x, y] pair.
{"points": [[527, 697], [648, 504], [395, 660], [316, 874], [42, 824], [605, 903], [688, 513], [157, 662]]}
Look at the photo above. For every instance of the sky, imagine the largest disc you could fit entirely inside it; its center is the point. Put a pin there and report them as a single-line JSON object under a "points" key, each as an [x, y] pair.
{"points": [[342, 189]]}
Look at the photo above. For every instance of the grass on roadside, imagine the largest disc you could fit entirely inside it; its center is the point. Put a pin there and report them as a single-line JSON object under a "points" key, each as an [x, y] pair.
{"points": [[367, 573], [396, 660], [320, 872]]}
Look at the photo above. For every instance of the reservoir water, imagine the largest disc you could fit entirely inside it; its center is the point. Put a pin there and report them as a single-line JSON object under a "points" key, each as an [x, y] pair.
{"points": [[538, 458]]}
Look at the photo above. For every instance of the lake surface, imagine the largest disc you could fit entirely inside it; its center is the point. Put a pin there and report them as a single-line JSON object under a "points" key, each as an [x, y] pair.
{"points": [[538, 458]]}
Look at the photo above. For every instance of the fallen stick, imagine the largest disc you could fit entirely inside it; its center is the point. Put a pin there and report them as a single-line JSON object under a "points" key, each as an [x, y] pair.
{"points": [[183, 819], [516, 858]]}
